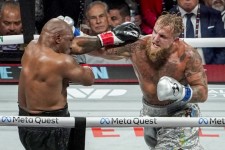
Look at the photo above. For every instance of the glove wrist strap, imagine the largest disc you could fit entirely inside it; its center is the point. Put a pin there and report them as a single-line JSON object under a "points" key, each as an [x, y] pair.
{"points": [[109, 38], [106, 38], [187, 93]]}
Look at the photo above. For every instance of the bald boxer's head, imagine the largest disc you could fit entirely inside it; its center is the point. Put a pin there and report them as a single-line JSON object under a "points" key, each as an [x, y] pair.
{"points": [[57, 35]]}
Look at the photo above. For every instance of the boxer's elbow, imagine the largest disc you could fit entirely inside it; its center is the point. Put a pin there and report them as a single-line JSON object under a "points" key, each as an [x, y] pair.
{"points": [[89, 78], [203, 94], [89, 81]]}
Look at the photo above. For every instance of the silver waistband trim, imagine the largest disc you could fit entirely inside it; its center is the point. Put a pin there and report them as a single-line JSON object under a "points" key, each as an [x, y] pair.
{"points": [[157, 111]]}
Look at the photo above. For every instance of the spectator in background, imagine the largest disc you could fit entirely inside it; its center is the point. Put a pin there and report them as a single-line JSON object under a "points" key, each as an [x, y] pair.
{"points": [[218, 5], [98, 20], [134, 11], [10, 22], [206, 23], [97, 17], [133, 6], [119, 13], [151, 10]]}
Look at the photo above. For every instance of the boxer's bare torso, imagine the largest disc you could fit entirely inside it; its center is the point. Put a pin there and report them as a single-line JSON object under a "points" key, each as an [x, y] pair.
{"points": [[183, 65], [47, 69]]}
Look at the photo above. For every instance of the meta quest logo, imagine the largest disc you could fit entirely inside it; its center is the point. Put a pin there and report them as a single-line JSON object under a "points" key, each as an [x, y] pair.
{"points": [[210, 121], [27, 120]]}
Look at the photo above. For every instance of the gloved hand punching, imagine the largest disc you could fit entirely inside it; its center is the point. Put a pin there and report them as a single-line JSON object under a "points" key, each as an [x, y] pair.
{"points": [[170, 89], [126, 32], [70, 22]]}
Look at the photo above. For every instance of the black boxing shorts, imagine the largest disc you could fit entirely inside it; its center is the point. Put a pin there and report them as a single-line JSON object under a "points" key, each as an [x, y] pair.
{"points": [[45, 138]]}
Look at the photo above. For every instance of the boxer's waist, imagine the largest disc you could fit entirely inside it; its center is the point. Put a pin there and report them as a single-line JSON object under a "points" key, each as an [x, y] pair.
{"points": [[59, 112], [166, 110]]}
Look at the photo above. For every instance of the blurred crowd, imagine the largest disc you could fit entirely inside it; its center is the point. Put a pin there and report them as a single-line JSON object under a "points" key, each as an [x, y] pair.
{"points": [[201, 18]]}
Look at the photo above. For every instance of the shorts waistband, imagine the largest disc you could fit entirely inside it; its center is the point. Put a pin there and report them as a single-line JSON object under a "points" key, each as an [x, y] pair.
{"points": [[60, 112], [157, 111]]}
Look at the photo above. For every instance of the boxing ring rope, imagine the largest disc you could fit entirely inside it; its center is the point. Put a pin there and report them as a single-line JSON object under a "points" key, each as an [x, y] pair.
{"points": [[71, 122], [195, 42]]}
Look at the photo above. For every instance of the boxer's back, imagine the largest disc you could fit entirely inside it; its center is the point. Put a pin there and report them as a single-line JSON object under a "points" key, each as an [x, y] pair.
{"points": [[42, 79]]}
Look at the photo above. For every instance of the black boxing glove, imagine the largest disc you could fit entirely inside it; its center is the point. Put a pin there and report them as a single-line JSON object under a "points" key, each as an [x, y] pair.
{"points": [[126, 32]]}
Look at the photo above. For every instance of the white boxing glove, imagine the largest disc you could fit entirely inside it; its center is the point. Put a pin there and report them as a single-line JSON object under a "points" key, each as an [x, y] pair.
{"points": [[70, 22], [170, 89]]}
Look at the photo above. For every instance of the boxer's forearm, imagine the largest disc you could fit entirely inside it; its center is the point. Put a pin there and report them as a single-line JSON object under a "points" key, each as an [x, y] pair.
{"points": [[200, 93], [82, 45]]}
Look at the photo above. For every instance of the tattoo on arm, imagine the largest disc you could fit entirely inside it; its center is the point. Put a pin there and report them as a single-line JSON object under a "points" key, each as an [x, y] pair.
{"points": [[122, 50], [197, 78]]}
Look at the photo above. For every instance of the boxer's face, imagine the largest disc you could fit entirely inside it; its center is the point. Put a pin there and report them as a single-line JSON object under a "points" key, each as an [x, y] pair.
{"points": [[10, 22], [66, 42], [161, 43]]}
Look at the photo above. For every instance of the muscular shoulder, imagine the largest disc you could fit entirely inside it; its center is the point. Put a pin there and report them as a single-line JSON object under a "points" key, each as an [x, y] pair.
{"points": [[194, 67], [193, 56], [65, 60], [187, 53]]}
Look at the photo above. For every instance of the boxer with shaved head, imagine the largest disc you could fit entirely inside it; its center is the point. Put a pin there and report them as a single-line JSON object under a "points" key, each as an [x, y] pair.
{"points": [[47, 69]]}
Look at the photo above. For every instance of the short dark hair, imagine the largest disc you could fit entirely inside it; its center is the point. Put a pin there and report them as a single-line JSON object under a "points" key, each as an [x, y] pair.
{"points": [[122, 6]]}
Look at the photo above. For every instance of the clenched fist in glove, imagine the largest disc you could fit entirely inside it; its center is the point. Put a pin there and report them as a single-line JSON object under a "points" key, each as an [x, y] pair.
{"points": [[126, 32], [170, 89], [70, 22]]}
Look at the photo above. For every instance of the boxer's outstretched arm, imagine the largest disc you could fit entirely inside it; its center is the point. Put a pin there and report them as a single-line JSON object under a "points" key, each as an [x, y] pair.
{"points": [[121, 35], [86, 44]]}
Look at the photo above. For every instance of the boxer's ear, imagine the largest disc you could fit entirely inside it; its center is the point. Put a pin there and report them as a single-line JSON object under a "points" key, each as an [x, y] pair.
{"points": [[58, 38]]}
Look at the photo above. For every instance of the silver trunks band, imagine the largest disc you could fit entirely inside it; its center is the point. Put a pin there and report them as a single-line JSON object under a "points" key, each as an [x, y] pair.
{"points": [[158, 111]]}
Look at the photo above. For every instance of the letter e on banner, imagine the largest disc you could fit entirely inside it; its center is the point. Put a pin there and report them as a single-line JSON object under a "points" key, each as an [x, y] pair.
{"points": [[100, 132]]}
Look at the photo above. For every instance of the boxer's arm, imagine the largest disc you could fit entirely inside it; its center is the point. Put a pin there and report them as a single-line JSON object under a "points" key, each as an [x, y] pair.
{"points": [[196, 89], [76, 73], [196, 77], [118, 37], [86, 44]]}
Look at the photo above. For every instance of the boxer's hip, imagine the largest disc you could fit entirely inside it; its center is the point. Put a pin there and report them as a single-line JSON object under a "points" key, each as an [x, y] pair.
{"points": [[60, 112], [158, 111]]}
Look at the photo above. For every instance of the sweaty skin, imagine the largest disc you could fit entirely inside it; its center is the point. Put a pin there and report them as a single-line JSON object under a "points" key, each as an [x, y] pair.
{"points": [[47, 69], [183, 62]]}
